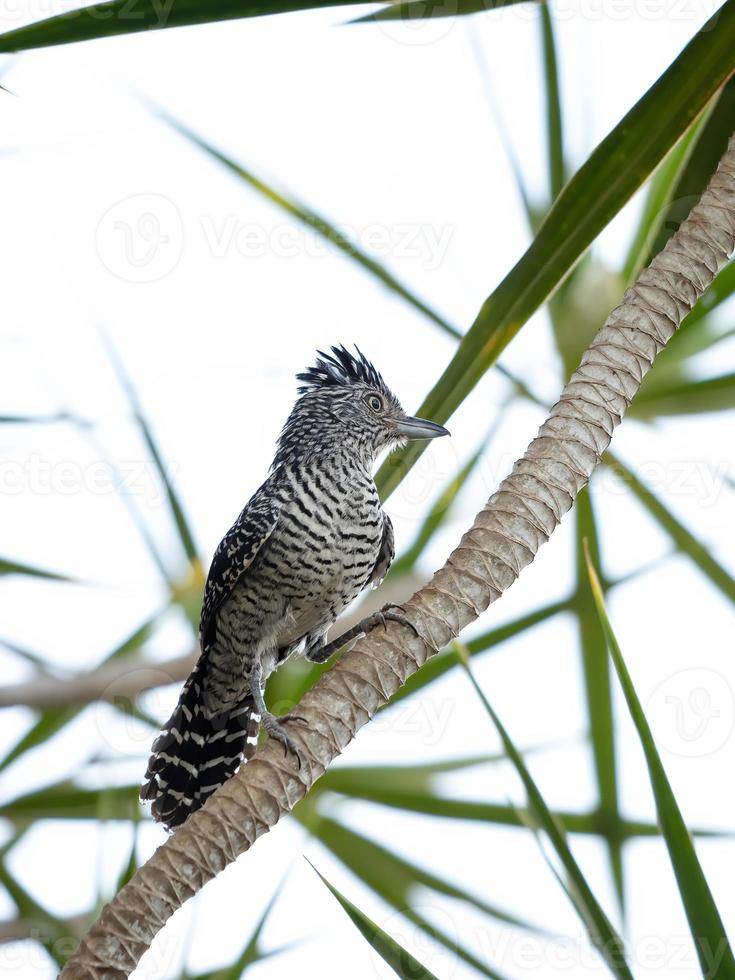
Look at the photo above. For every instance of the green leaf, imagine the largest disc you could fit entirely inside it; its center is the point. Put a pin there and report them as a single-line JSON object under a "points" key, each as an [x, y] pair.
{"points": [[686, 398], [9, 567], [182, 525], [131, 865], [554, 128], [131, 16], [712, 133], [533, 214], [252, 952], [413, 777], [53, 932], [312, 219], [412, 10], [390, 876], [439, 510], [587, 203], [428, 803], [598, 691], [289, 683], [684, 539], [658, 196], [36, 419], [601, 930], [708, 931], [721, 290], [54, 719], [442, 663], [66, 801], [49, 723], [398, 959]]}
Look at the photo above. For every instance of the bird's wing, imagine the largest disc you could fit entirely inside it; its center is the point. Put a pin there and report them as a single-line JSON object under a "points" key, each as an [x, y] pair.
{"points": [[386, 554], [235, 553]]}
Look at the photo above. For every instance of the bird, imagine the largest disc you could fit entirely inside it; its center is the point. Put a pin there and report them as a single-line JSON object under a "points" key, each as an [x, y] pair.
{"points": [[308, 541]]}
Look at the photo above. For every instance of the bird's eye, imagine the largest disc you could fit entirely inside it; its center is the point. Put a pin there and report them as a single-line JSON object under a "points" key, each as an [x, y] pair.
{"points": [[375, 403]]}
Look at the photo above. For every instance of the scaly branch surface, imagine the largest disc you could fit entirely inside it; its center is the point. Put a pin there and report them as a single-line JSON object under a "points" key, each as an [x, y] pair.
{"points": [[504, 538]]}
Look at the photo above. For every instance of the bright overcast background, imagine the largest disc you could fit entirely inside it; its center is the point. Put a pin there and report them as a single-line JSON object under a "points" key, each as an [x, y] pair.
{"points": [[117, 232]]}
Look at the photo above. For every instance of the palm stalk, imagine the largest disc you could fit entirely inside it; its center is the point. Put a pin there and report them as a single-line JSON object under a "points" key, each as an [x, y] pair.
{"points": [[504, 539]]}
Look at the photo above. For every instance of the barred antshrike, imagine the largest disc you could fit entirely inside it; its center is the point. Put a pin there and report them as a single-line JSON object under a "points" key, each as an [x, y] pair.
{"points": [[308, 541]]}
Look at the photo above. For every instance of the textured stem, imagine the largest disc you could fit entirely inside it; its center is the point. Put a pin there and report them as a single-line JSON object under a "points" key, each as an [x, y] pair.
{"points": [[503, 539]]}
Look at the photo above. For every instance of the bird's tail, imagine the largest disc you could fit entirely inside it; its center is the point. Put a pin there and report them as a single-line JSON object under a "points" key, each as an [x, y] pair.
{"points": [[194, 755]]}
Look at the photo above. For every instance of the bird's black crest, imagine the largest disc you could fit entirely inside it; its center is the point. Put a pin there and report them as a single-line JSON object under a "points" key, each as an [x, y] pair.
{"points": [[341, 368]]}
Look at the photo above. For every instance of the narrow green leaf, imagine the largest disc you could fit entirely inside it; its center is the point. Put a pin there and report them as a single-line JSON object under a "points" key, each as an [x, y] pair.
{"points": [[130, 16], [53, 720], [708, 931], [9, 567], [128, 501], [658, 197], [48, 724], [598, 691], [533, 214], [398, 959], [721, 290], [295, 678], [710, 142], [439, 510], [586, 204], [414, 777], [686, 398], [554, 127], [131, 865], [392, 877], [317, 222], [53, 932], [65, 801], [35, 419], [428, 803], [413, 10], [684, 539], [182, 525], [442, 663], [252, 952], [601, 930], [39, 661]]}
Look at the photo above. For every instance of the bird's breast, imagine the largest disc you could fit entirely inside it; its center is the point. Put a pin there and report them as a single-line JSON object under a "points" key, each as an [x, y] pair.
{"points": [[328, 540]]}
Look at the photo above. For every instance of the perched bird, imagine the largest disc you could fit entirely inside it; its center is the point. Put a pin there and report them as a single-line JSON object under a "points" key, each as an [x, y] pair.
{"points": [[306, 544]]}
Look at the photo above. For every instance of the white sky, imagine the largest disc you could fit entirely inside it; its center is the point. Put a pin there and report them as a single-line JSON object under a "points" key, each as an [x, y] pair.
{"points": [[214, 300]]}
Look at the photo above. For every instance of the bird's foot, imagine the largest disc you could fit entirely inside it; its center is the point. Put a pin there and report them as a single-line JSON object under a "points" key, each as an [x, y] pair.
{"points": [[390, 612], [274, 726]]}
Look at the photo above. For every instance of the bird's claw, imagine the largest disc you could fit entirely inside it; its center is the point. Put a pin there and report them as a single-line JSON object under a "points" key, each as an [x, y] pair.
{"points": [[274, 728], [396, 614]]}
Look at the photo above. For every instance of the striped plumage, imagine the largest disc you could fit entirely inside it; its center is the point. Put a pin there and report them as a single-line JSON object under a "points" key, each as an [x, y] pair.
{"points": [[306, 544]]}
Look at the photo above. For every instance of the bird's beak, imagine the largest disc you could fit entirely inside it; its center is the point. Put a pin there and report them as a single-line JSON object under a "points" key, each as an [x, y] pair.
{"points": [[420, 429]]}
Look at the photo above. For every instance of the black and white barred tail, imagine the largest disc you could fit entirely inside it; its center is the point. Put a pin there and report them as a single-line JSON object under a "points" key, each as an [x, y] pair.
{"points": [[194, 755]]}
